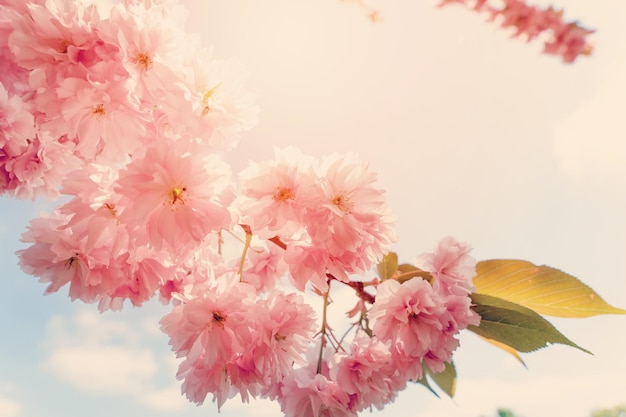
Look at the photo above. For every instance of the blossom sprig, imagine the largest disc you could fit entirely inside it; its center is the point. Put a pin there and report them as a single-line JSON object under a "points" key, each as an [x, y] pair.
{"points": [[565, 39], [128, 118]]}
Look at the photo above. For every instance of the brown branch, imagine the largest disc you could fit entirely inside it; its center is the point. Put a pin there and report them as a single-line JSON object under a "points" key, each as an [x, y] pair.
{"points": [[357, 286]]}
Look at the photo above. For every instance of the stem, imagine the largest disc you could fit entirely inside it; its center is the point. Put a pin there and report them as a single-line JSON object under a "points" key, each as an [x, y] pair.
{"points": [[276, 240], [358, 286], [412, 274], [323, 333], [246, 246], [220, 242], [352, 326]]}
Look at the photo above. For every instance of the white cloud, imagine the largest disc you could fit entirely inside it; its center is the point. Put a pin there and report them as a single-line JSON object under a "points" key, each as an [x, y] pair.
{"points": [[110, 356], [106, 369], [9, 408], [164, 399]]}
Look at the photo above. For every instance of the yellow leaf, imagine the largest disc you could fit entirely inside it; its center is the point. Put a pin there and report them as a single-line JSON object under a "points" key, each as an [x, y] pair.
{"points": [[388, 265], [542, 289], [506, 348]]}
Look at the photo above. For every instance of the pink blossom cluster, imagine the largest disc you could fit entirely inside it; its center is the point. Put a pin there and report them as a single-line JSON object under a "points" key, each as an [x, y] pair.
{"points": [[78, 89], [565, 39], [327, 215], [128, 118], [235, 339]]}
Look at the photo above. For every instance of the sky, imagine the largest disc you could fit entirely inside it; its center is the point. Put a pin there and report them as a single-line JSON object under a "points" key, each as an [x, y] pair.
{"points": [[473, 134]]}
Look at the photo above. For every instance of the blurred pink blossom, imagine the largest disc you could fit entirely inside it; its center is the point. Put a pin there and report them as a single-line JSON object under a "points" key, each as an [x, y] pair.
{"points": [[565, 39]]}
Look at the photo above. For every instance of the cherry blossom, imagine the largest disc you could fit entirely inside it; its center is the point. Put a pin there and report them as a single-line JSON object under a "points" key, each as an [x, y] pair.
{"points": [[565, 39], [129, 117], [39, 169], [173, 195], [368, 374], [452, 267], [17, 124], [127, 125], [274, 195], [309, 394], [58, 258], [349, 217], [55, 35]]}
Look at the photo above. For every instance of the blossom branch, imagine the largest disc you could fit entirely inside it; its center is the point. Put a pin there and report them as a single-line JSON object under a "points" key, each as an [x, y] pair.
{"points": [[405, 276], [565, 39], [358, 286], [276, 240], [323, 334], [245, 249]]}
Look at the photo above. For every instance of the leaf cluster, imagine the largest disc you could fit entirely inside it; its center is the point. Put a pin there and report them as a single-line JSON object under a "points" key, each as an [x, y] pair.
{"points": [[511, 297]]}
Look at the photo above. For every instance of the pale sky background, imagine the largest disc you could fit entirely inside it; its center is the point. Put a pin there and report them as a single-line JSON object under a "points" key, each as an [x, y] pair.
{"points": [[473, 135]]}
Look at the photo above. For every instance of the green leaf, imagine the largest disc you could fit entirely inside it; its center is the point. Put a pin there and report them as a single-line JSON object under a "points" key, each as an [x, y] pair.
{"points": [[446, 379], [543, 289], [425, 383], [388, 266], [514, 325]]}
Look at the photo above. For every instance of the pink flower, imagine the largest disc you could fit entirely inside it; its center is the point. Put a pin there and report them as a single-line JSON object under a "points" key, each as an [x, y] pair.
{"points": [[221, 104], [174, 195], [39, 169], [200, 379], [307, 394], [367, 373], [17, 124], [212, 331], [265, 267], [452, 267], [566, 39], [458, 316], [152, 46], [105, 118], [93, 211], [141, 275], [569, 41], [273, 194], [280, 332], [58, 258], [411, 316], [284, 334], [348, 216], [12, 77], [307, 264], [54, 34], [214, 325]]}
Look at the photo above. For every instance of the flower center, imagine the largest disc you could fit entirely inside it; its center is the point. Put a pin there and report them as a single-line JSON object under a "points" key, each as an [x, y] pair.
{"points": [[99, 111], [219, 319], [342, 203], [110, 211], [143, 60], [205, 99], [72, 262], [283, 194], [176, 195], [278, 337], [63, 44]]}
